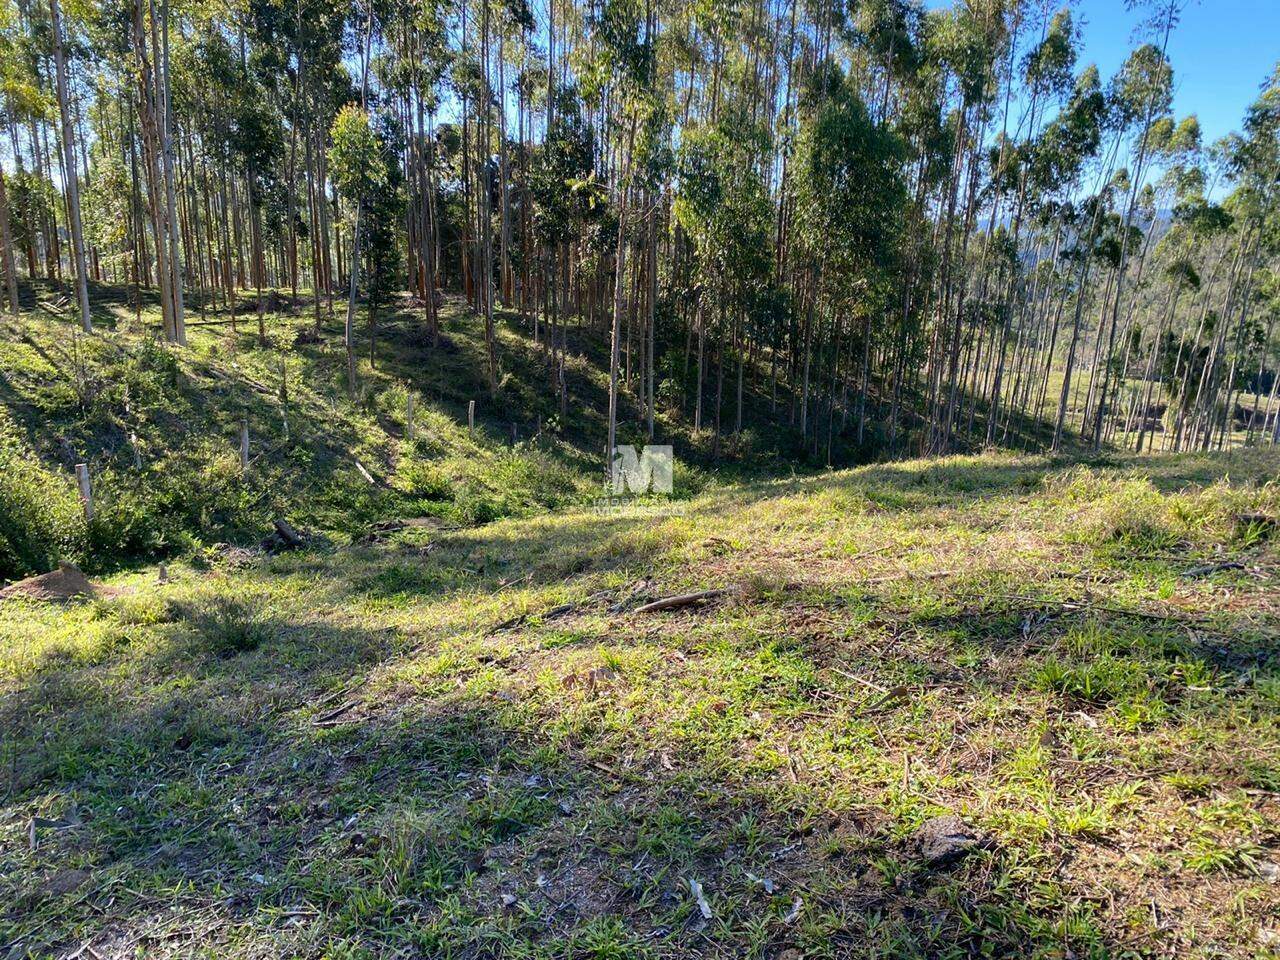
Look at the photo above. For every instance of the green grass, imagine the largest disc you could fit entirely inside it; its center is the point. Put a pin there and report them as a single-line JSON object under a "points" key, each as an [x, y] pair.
{"points": [[159, 428], [463, 742]]}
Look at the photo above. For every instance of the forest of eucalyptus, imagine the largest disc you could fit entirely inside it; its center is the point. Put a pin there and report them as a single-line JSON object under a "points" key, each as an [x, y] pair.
{"points": [[902, 230]]}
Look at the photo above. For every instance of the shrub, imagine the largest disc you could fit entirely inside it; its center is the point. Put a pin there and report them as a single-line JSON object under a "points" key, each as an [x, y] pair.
{"points": [[227, 626], [427, 480], [40, 519]]}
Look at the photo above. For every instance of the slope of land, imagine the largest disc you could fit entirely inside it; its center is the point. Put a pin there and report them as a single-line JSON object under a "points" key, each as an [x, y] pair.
{"points": [[160, 430], [160, 427], [471, 742]]}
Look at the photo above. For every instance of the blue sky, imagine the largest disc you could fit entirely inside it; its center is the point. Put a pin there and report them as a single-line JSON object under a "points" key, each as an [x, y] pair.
{"points": [[1221, 51]]}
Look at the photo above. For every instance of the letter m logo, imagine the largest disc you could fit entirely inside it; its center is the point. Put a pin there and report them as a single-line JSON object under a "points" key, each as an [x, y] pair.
{"points": [[649, 471]]}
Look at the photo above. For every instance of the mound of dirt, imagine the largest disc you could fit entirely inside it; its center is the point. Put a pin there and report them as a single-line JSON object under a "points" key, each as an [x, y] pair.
{"points": [[65, 583]]}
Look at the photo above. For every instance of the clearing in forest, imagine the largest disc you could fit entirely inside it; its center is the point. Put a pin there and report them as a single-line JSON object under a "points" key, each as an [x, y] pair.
{"points": [[471, 742]]}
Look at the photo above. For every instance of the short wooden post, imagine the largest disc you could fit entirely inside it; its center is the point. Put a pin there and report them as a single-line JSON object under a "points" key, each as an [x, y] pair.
{"points": [[513, 433], [284, 398], [471, 416], [408, 416], [244, 446], [86, 490]]}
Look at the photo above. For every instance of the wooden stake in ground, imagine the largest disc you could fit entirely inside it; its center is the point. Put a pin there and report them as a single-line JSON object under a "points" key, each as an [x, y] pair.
{"points": [[86, 491], [244, 446], [408, 416], [284, 397], [471, 416]]}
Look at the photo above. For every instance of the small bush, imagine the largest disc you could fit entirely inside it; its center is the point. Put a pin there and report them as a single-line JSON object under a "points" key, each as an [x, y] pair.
{"points": [[40, 519], [228, 626], [427, 480]]}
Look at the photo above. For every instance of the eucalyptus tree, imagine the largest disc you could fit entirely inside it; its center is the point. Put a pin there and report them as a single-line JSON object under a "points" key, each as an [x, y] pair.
{"points": [[15, 86], [850, 203], [722, 206], [358, 158], [1143, 92], [70, 172]]}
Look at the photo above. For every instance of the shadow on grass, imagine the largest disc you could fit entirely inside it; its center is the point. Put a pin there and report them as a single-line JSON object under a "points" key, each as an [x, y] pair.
{"points": [[405, 825], [297, 798]]}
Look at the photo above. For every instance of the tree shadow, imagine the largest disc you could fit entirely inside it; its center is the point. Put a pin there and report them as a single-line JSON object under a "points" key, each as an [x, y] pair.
{"points": [[347, 785], [281, 815]]}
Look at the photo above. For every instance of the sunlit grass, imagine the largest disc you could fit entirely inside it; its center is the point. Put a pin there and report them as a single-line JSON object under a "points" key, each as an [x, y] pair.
{"points": [[463, 740]]}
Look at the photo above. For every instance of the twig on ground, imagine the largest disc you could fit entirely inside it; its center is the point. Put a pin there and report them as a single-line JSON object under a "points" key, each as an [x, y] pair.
{"points": [[857, 679], [685, 599], [1205, 569], [331, 718]]}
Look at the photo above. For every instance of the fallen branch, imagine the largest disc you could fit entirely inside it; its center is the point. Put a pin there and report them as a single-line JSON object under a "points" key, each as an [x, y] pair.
{"points": [[1205, 569], [928, 575], [888, 696], [857, 679], [331, 718], [685, 600]]}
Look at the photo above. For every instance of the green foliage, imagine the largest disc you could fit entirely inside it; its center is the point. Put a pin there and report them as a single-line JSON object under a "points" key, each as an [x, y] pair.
{"points": [[850, 202], [1099, 680], [40, 520], [565, 158], [105, 208], [723, 205], [480, 489], [366, 170], [32, 200], [226, 626]]}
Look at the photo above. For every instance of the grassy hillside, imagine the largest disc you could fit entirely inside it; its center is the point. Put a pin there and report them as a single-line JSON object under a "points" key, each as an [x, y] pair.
{"points": [[468, 742], [159, 428]]}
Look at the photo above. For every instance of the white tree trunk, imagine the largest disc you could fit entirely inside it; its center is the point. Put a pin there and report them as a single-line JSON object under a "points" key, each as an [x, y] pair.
{"points": [[69, 170]]}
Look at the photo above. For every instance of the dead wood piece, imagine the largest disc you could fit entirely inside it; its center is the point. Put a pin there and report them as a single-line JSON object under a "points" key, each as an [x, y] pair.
{"points": [[685, 600], [1205, 569], [883, 691], [511, 622], [928, 575], [283, 537], [287, 533], [332, 717]]}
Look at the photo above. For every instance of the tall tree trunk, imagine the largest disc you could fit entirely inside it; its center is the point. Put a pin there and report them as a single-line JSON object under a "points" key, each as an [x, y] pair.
{"points": [[69, 173], [6, 250]]}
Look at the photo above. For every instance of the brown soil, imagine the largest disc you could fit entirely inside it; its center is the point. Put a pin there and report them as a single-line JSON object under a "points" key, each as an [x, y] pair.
{"points": [[65, 583]]}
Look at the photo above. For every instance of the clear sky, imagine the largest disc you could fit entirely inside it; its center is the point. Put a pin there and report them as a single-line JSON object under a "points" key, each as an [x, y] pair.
{"points": [[1221, 52]]}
